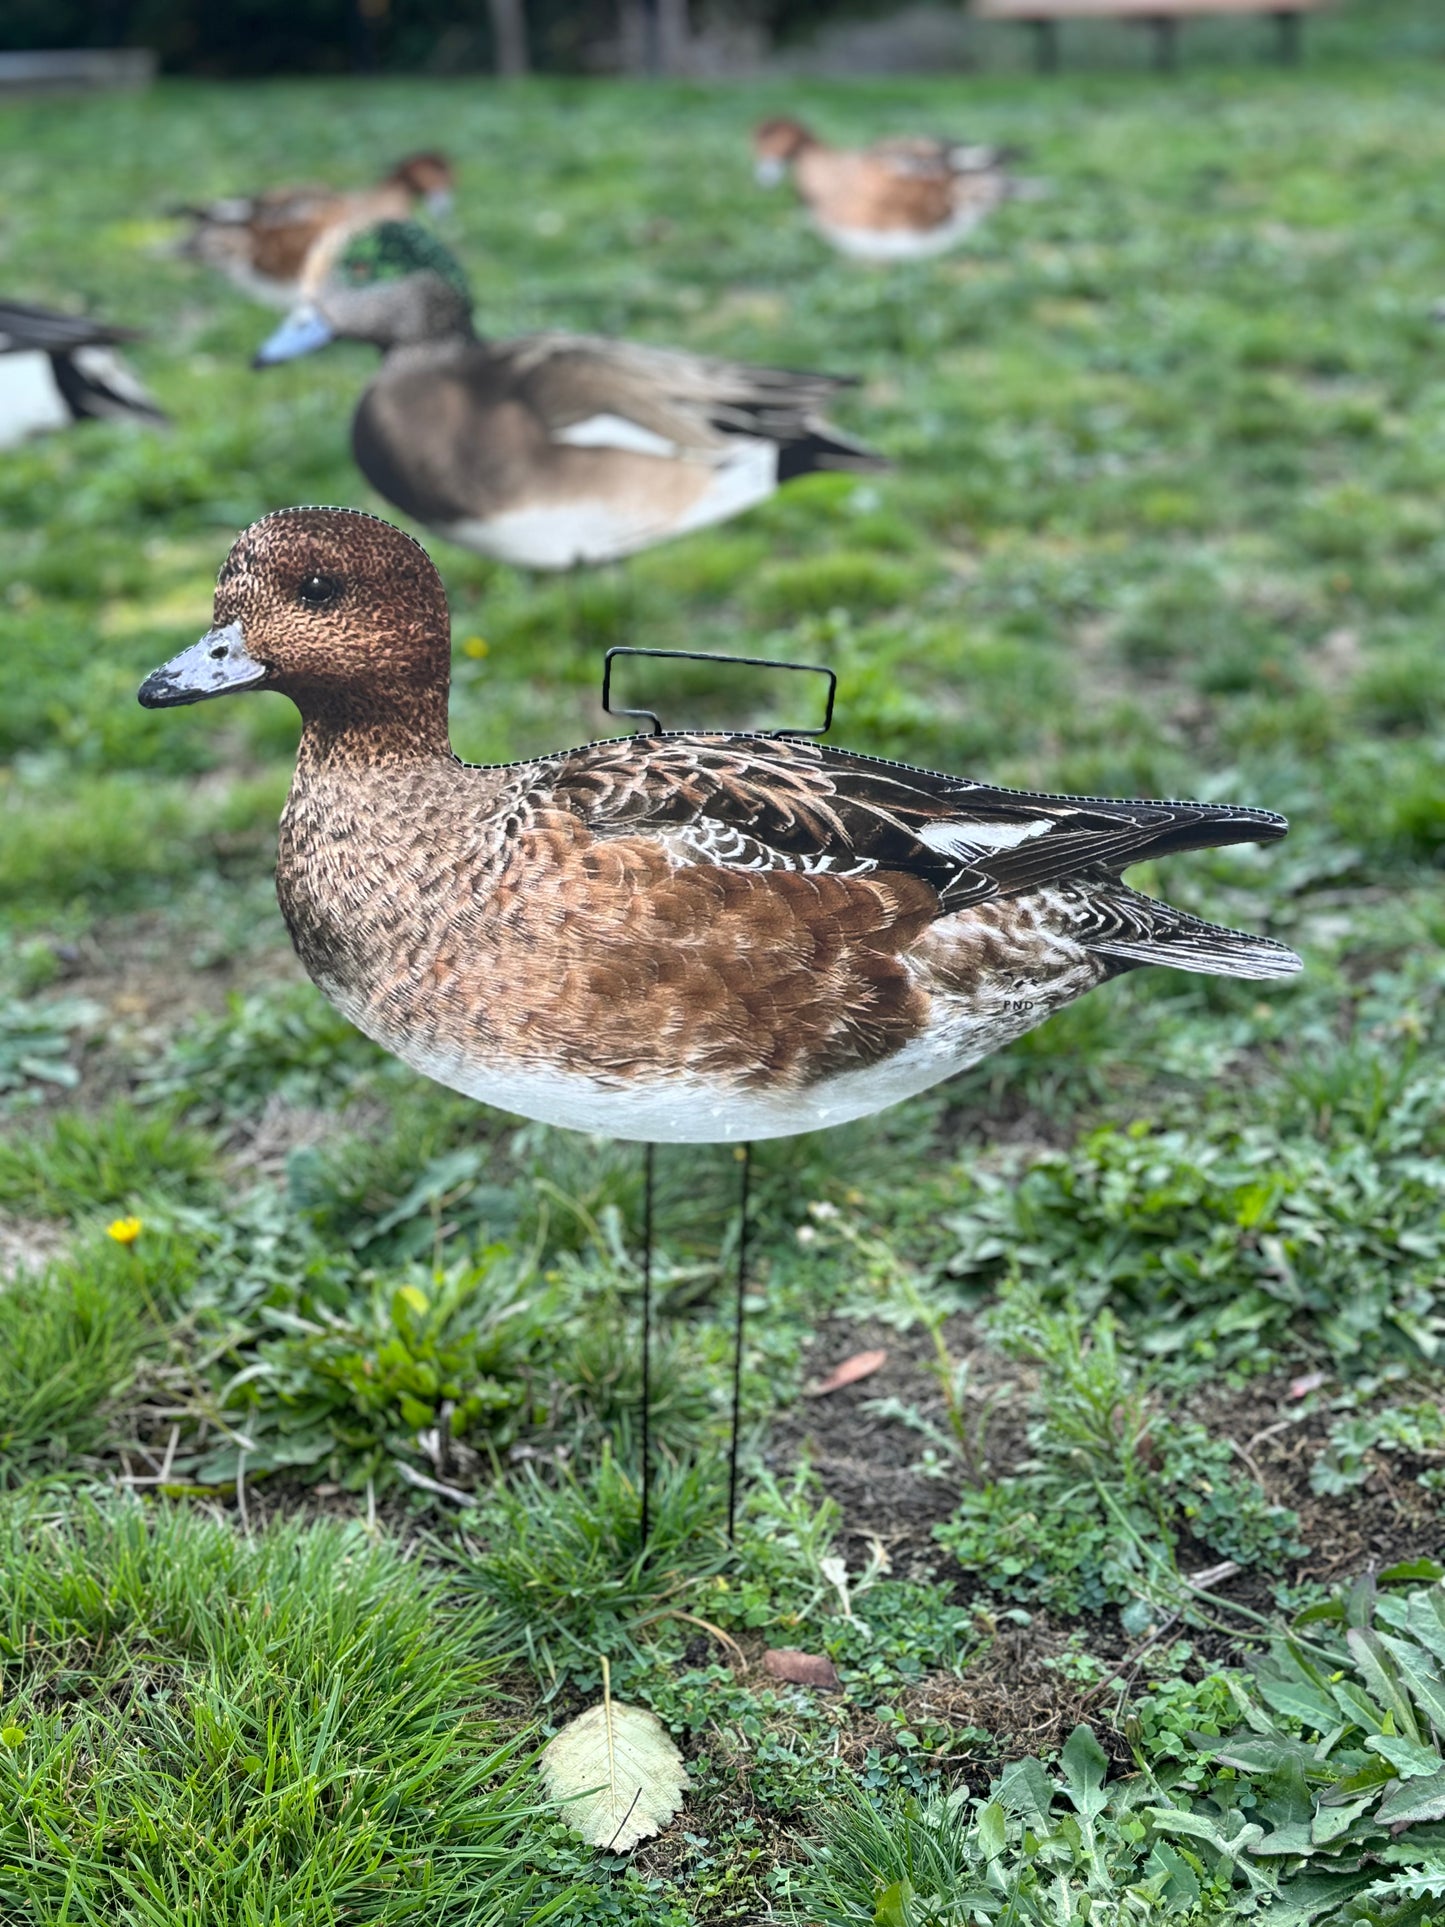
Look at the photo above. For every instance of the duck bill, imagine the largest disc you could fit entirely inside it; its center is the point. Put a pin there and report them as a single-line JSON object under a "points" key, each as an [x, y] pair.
{"points": [[217, 665], [301, 333]]}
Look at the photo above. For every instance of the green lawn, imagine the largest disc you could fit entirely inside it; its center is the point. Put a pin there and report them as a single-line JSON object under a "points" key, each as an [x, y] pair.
{"points": [[1161, 1288]]}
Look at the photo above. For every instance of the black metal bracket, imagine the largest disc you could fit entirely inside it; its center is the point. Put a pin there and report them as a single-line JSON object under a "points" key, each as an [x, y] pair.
{"points": [[705, 655]]}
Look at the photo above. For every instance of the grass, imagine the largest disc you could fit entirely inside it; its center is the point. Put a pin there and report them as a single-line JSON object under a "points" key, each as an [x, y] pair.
{"points": [[284, 1728], [1163, 520]]}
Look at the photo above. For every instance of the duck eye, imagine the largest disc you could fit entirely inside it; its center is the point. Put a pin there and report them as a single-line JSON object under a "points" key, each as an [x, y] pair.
{"points": [[317, 590]]}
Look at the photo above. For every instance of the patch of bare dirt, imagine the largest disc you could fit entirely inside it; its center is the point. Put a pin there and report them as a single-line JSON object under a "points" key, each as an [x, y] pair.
{"points": [[1278, 1436], [28, 1244], [869, 1462], [264, 1144], [1014, 1697], [872, 1464], [151, 974]]}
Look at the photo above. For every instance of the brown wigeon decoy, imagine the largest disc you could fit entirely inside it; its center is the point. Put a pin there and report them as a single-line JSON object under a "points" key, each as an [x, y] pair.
{"points": [[261, 241], [553, 449], [899, 200], [56, 369], [701, 937]]}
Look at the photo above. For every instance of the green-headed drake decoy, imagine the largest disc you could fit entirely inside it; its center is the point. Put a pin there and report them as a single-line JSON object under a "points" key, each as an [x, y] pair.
{"points": [[700, 937], [261, 241], [553, 449], [899, 200], [56, 369]]}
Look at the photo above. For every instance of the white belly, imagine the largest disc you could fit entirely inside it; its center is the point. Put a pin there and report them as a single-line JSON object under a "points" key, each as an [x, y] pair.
{"points": [[30, 398], [901, 244], [563, 535], [685, 1109]]}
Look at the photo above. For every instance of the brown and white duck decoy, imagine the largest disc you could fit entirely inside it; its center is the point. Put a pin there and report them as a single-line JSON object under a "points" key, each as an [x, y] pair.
{"points": [[553, 449], [703, 937], [261, 241], [899, 200], [56, 369]]}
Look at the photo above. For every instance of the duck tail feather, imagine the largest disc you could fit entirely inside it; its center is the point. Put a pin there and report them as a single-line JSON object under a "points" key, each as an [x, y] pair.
{"points": [[1212, 826], [97, 385], [1157, 933], [820, 448]]}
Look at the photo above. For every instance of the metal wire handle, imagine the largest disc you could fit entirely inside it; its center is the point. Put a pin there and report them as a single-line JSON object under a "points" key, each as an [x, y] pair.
{"points": [[706, 655]]}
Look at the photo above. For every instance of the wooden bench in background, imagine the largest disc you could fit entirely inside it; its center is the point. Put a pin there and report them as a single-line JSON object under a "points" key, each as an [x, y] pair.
{"points": [[1162, 16]]}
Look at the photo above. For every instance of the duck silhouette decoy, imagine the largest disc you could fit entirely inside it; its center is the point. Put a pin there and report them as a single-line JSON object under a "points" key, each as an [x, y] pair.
{"points": [[553, 449], [902, 199], [56, 369], [261, 241], [676, 938]]}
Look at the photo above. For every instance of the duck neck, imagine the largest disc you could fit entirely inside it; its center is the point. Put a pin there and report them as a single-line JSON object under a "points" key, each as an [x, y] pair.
{"points": [[379, 731], [426, 353]]}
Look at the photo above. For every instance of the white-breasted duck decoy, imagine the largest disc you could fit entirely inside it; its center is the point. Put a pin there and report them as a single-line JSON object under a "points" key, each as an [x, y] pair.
{"points": [[902, 199], [553, 449], [700, 937], [56, 369], [261, 241]]}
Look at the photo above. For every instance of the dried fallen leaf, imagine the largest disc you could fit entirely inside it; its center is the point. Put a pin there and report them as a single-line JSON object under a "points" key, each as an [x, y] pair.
{"points": [[802, 1669], [860, 1365], [615, 1772]]}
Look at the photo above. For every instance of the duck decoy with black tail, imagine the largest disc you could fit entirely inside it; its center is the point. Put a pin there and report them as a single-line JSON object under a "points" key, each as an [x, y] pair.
{"points": [[553, 449], [56, 369], [676, 938]]}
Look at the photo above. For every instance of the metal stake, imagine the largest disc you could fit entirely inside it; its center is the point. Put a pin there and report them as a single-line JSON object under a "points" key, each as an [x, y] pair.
{"points": [[745, 1158], [647, 1155]]}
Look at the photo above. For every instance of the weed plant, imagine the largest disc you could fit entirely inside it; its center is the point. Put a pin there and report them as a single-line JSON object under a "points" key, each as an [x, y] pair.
{"points": [[1116, 1482], [1046, 1848]]}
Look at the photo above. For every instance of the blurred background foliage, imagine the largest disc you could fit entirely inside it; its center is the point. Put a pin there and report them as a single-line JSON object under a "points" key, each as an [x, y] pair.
{"points": [[258, 37]]}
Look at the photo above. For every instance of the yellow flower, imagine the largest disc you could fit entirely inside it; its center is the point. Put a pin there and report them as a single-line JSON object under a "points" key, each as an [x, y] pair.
{"points": [[475, 647], [125, 1231]]}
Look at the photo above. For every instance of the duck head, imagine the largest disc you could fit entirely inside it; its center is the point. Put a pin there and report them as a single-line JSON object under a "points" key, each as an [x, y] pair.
{"points": [[334, 608], [392, 285], [776, 145], [427, 178]]}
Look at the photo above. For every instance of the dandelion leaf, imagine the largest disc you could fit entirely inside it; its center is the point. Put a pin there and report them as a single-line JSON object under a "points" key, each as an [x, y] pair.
{"points": [[616, 1775]]}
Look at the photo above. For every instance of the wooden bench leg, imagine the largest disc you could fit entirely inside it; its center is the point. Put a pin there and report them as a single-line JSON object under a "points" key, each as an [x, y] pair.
{"points": [[1288, 37], [1046, 45], [1166, 43]]}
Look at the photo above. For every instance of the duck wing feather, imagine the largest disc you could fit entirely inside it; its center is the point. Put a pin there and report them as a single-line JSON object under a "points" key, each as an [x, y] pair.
{"points": [[695, 403], [802, 804]]}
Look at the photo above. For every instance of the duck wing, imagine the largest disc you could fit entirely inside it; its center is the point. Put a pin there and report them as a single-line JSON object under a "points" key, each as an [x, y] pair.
{"points": [[760, 803], [930, 157], [592, 392], [273, 204]]}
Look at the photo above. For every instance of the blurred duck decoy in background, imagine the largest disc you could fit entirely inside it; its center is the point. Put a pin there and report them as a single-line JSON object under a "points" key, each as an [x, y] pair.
{"points": [[899, 200], [56, 369], [553, 449], [261, 241], [700, 937]]}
